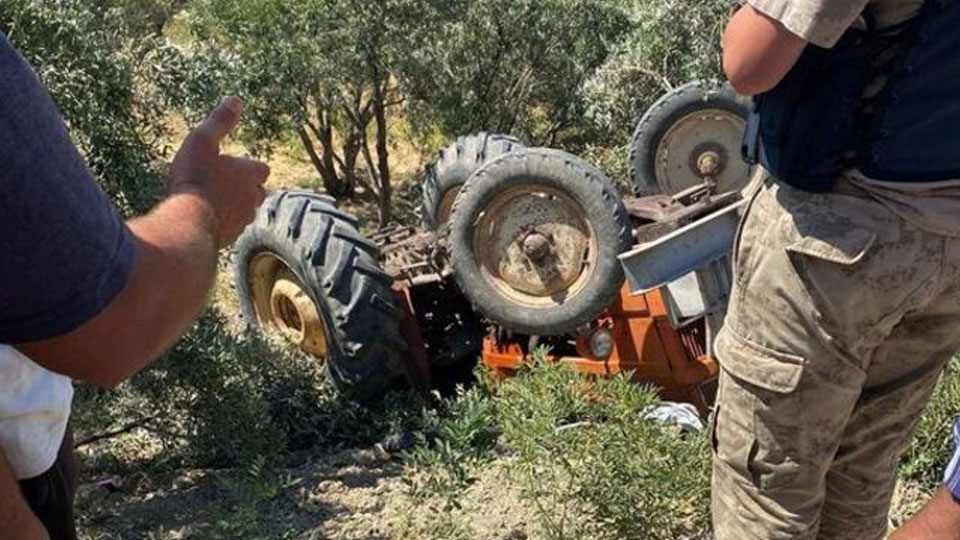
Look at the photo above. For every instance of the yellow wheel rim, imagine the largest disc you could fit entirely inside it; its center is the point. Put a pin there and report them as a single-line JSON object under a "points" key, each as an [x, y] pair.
{"points": [[283, 305]]}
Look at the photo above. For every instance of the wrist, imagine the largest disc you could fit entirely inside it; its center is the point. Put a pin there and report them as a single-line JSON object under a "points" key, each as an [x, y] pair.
{"points": [[192, 207]]}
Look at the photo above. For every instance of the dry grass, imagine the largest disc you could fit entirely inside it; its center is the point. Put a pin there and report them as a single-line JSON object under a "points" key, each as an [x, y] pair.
{"points": [[291, 168]]}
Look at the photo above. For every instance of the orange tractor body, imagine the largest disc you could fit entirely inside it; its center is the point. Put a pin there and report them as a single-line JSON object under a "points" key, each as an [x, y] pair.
{"points": [[646, 346]]}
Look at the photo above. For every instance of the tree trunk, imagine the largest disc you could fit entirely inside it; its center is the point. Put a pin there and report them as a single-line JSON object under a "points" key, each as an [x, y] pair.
{"points": [[326, 141], [351, 152], [329, 177], [383, 164]]}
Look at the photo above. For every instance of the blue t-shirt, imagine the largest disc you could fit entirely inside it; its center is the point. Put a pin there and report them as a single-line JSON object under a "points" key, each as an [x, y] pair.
{"points": [[65, 252]]}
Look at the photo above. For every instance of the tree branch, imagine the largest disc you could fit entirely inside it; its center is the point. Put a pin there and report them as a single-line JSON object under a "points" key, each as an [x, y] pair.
{"points": [[311, 151], [141, 422], [371, 168], [661, 79]]}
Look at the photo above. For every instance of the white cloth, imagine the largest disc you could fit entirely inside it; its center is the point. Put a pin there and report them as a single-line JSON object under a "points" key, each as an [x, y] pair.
{"points": [[670, 413], [34, 409]]}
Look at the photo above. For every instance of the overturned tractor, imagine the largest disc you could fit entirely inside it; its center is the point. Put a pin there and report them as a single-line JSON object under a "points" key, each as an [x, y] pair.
{"points": [[520, 247]]}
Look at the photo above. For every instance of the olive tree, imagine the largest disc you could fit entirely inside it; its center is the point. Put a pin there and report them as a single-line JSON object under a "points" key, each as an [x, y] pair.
{"points": [[147, 17], [323, 70], [670, 43], [513, 66], [104, 76]]}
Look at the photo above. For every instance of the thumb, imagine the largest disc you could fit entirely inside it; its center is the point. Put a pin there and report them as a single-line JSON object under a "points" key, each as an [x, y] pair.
{"points": [[222, 120]]}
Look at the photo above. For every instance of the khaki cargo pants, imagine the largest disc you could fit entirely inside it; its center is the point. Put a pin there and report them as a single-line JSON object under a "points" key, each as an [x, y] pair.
{"points": [[841, 318]]}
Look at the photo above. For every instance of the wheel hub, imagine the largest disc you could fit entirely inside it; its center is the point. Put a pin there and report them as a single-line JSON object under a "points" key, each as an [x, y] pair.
{"points": [[699, 145], [283, 305], [296, 317], [710, 162], [534, 246]]}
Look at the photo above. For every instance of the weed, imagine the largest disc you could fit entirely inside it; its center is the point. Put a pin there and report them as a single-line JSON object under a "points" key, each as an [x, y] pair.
{"points": [[454, 444], [585, 458], [219, 400]]}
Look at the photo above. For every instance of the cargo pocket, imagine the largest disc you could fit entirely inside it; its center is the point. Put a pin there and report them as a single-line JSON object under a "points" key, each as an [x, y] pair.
{"points": [[762, 397], [765, 368]]}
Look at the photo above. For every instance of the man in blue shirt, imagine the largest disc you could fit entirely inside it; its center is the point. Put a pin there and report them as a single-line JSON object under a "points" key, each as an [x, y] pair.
{"points": [[85, 295], [940, 518]]}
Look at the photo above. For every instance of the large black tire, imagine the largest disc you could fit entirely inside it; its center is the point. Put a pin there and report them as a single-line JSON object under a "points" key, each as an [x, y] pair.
{"points": [[582, 187], [339, 269], [442, 178], [670, 110]]}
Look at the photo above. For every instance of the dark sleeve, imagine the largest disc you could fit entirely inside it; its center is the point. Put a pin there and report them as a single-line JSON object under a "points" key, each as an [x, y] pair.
{"points": [[65, 252]]}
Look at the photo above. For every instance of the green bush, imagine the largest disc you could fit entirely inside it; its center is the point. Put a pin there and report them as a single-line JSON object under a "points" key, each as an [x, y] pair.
{"points": [[671, 42], [586, 459], [512, 66], [105, 77], [460, 437], [586, 445], [221, 399]]}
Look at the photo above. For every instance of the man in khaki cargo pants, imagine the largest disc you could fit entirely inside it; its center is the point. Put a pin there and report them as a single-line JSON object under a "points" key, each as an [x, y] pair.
{"points": [[845, 308]]}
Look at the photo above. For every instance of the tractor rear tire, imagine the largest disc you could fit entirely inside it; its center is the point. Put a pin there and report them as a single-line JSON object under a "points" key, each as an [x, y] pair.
{"points": [[301, 238], [575, 222], [720, 129], [443, 178]]}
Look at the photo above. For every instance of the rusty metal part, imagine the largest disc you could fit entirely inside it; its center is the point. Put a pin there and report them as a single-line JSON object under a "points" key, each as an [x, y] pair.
{"points": [[412, 256], [534, 246], [713, 132], [686, 208], [645, 345], [417, 366], [284, 306], [652, 208], [446, 206], [710, 162]]}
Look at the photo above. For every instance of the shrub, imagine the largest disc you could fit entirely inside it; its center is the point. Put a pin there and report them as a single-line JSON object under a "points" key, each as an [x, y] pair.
{"points": [[220, 399], [659, 54], [105, 78], [580, 449]]}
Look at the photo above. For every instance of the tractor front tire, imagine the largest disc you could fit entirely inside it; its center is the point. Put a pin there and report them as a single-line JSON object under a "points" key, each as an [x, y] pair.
{"points": [[304, 271], [534, 238], [698, 117], [443, 178]]}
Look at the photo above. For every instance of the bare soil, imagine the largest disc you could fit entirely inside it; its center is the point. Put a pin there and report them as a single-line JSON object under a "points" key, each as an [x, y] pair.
{"points": [[351, 495]]}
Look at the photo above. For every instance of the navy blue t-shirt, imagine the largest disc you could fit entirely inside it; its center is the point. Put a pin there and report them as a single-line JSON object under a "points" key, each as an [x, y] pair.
{"points": [[65, 252]]}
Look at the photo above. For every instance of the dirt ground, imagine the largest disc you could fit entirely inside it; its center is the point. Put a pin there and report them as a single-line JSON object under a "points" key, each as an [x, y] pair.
{"points": [[350, 495]]}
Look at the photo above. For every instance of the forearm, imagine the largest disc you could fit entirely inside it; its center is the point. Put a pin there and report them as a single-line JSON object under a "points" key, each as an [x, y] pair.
{"points": [[938, 520], [173, 271], [16, 519]]}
